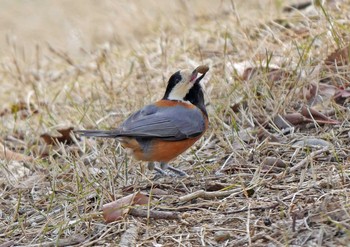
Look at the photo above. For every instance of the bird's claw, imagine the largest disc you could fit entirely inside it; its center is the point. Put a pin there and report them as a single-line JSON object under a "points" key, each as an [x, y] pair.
{"points": [[167, 170]]}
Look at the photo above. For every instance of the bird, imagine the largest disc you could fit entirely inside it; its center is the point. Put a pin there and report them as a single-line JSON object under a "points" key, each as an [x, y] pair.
{"points": [[161, 131]]}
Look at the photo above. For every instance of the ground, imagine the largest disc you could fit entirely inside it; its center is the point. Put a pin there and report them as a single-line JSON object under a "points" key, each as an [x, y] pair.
{"points": [[272, 170]]}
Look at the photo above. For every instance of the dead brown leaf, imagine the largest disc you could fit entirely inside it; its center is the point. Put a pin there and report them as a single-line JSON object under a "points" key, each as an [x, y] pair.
{"points": [[273, 164], [21, 108], [326, 92], [339, 57], [66, 137], [341, 96], [7, 154], [158, 192], [308, 115], [314, 115], [310, 91], [294, 118]]}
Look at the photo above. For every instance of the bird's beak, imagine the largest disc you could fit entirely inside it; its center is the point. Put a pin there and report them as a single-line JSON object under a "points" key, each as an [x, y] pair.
{"points": [[194, 76], [203, 69]]}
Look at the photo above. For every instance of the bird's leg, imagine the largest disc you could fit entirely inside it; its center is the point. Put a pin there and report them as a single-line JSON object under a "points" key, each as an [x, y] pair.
{"points": [[151, 166], [179, 172]]}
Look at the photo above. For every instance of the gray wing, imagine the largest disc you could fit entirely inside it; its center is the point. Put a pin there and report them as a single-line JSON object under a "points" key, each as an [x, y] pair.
{"points": [[175, 123]]}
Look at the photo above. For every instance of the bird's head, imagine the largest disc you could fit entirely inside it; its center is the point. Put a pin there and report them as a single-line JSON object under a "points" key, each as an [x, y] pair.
{"points": [[181, 83]]}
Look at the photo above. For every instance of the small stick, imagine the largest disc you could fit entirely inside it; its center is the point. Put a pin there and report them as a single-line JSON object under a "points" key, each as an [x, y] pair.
{"points": [[154, 214], [8, 244], [207, 195], [254, 238], [307, 158], [250, 209], [129, 237]]}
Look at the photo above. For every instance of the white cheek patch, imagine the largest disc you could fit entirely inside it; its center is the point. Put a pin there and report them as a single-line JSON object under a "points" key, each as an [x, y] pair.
{"points": [[180, 91]]}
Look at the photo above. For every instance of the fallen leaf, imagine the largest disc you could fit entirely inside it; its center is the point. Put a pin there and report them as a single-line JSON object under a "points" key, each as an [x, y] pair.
{"points": [[317, 92], [339, 57], [66, 137], [314, 115], [7, 154], [341, 96], [215, 186], [21, 108], [294, 118], [273, 164], [235, 107], [308, 115], [327, 90], [310, 92], [158, 192], [324, 92], [115, 210]]}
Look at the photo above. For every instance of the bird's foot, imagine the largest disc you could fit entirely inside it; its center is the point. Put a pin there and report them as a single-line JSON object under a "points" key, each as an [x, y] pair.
{"points": [[166, 170], [163, 173], [159, 171], [178, 172]]}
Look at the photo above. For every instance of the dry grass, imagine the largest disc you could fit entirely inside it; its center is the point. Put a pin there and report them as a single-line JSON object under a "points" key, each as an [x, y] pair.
{"points": [[57, 200]]}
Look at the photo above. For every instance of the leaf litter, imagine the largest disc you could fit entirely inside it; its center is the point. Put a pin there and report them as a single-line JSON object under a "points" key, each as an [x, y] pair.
{"points": [[272, 169]]}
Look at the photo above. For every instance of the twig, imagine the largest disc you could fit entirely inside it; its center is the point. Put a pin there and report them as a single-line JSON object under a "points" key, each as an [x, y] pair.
{"points": [[248, 226], [154, 214], [8, 244], [307, 158], [129, 237], [252, 209], [256, 237], [207, 195], [72, 240]]}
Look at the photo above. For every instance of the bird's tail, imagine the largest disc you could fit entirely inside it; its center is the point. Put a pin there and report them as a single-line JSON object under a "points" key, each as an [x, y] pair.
{"points": [[98, 133]]}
